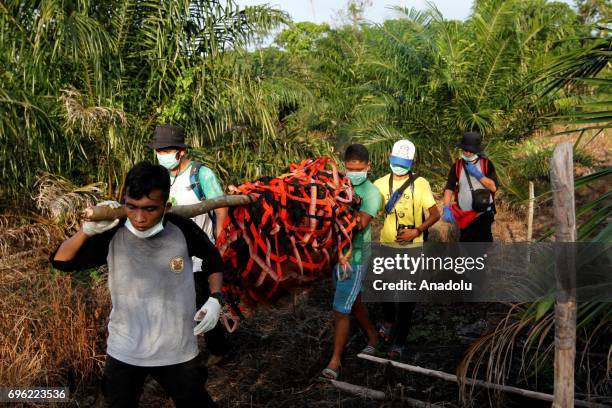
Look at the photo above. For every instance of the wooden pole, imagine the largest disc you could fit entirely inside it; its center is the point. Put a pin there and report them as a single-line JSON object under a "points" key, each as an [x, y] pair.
{"points": [[378, 395], [453, 378], [562, 180], [530, 213], [101, 213], [358, 390]]}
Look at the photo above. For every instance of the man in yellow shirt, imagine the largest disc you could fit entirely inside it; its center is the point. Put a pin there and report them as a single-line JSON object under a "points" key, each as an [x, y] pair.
{"points": [[405, 197]]}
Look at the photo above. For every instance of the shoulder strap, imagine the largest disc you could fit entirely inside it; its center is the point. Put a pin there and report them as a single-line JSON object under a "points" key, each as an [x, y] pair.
{"points": [[194, 179], [484, 165], [469, 180], [403, 187], [394, 196]]}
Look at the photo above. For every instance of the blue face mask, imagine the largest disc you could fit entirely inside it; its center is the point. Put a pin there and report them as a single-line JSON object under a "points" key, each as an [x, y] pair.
{"points": [[168, 160], [399, 170], [357, 177]]}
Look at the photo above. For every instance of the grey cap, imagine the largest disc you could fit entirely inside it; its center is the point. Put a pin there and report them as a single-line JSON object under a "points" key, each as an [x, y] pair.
{"points": [[168, 136]]}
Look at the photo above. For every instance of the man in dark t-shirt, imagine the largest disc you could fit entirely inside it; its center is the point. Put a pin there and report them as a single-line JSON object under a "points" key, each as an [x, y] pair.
{"points": [[472, 172], [150, 278]]}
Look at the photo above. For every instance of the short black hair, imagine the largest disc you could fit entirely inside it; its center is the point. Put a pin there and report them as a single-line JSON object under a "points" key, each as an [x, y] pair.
{"points": [[357, 152], [145, 177]]}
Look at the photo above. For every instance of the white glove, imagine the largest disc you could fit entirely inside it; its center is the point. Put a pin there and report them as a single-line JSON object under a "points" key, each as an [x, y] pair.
{"points": [[92, 228], [208, 316]]}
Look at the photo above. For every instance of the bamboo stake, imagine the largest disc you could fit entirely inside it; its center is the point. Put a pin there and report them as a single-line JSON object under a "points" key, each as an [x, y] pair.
{"points": [[378, 395], [453, 378], [411, 402], [101, 213], [530, 213], [562, 180], [358, 390]]}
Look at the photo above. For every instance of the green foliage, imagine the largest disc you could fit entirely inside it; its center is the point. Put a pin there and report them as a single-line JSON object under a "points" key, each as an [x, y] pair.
{"points": [[301, 37], [430, 79], [591, 11], [82, 85], [535, 161]]}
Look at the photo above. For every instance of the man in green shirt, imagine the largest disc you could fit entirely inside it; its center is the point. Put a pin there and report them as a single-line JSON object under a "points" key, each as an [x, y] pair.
{"points": [[349, 280]]}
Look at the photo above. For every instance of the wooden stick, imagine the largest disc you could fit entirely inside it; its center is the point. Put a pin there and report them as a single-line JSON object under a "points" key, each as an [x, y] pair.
{"points": [[453, 378], [359, 390], [102, 213], [411, 402], [530, 213], [562, 181]]}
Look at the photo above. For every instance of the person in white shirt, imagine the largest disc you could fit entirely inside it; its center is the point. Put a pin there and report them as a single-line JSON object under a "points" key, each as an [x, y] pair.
{"points": [[190, 183]]}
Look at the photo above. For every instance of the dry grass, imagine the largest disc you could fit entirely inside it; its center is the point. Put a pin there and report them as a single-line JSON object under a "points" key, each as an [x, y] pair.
{"points": [[61, 201], [48, 335], [51, 331], [89, 119]]}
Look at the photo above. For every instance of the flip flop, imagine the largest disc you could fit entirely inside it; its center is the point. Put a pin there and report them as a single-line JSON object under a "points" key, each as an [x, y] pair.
{"points": [[369, 350], [329, 374]]}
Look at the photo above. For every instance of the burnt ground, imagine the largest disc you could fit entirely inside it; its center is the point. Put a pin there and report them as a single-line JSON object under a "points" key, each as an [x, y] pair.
{"points": [[279, 352]]}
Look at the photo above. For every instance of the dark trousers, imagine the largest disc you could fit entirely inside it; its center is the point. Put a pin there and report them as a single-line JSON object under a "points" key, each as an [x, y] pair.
{"points": [[185, 383], [399, 314], [216, 340], [479, 230]]}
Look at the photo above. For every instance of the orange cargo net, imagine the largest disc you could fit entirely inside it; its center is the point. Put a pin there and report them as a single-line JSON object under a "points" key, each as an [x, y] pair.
{"points": [[299, 225]]}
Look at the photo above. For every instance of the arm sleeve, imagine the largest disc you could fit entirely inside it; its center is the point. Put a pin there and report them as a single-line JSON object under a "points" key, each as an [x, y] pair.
{"points": [[92, 254], [198, 244], [381, 195], [370, 204], [491, 173], [210, 183], [451, 181], [427, 198]]}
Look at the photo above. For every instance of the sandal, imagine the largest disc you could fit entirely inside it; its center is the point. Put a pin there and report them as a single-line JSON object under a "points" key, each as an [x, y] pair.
{"points": [[328, 374], [369, 350]]}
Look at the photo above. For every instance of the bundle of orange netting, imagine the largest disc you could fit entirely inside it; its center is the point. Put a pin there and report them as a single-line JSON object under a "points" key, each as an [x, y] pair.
{"points": [[299, 225]]}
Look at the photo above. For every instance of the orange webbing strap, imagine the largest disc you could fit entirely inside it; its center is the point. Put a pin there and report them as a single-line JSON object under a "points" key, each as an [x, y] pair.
{"points": [[308, 210]]}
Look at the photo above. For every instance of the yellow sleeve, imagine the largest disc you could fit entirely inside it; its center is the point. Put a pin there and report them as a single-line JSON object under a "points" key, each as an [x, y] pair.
{"points": [[427, 198]]}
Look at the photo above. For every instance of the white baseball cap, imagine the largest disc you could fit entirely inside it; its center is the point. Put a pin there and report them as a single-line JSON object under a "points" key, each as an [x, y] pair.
{"points": [[402, 153]]}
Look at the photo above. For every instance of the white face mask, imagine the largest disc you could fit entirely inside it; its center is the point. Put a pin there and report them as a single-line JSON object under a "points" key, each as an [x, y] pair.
{"points": [[168, 160], [471, 159], [154, 230]]}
